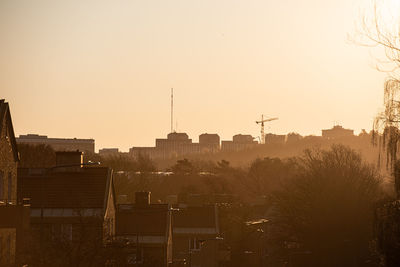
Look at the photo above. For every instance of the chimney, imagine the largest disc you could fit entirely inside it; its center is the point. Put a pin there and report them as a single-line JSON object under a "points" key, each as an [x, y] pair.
{"points": [[69, 159], [142, 199]]}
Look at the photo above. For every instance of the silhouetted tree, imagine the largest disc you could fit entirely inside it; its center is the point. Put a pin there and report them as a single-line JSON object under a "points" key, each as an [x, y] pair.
{"points": [[380, 29], [223, 166], [292, 138], [267, 175], [119, 162], [383, 30], [327, 208], [183, 166], [145, 164]]}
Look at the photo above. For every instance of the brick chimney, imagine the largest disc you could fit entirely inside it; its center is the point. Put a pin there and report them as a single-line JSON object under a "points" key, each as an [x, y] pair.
{"points": [[142, 199], [73, 159]]}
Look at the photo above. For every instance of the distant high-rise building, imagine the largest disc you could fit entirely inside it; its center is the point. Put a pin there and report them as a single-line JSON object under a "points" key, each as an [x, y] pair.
{"points": [[239, 142], [243, 138], [207, 138], [209, 143], [58, 144], [178, 144], [337, 132], [275, 138]]}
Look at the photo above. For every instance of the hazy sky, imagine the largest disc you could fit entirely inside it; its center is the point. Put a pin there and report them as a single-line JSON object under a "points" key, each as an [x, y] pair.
{"points": [[104, 69]]}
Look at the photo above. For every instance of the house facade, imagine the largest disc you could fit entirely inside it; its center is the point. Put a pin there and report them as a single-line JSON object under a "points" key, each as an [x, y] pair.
{"points": [[11, 214], [196, 235], [146, 232], [72, 210]]}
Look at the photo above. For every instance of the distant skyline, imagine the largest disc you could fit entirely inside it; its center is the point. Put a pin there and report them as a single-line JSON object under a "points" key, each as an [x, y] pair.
{"points": [[104, 69]]}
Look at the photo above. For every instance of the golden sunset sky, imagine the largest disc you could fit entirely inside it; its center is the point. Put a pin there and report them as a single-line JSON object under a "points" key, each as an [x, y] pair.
{"points": [[104, 69]]}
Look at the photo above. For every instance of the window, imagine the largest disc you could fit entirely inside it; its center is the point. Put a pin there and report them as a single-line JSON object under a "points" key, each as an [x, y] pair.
{"points": [[194, 243], [136, 257], [55, 231], [66, 231], [1, 186], [9, 187]]}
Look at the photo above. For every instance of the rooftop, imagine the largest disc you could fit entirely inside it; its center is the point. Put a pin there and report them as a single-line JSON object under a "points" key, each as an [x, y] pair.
{"points": [[152, 219], [87, 187]]}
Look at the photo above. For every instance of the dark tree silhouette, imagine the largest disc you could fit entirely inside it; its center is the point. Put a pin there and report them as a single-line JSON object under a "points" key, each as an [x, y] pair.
{"points": [[327, 209], [267, 175], [183, 166]]}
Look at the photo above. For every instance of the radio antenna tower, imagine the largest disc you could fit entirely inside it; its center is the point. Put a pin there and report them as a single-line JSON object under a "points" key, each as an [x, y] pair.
{"points": [[172, 110]]}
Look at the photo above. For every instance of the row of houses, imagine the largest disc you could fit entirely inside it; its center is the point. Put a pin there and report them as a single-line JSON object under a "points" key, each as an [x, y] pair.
{"points": [[68, 215]]}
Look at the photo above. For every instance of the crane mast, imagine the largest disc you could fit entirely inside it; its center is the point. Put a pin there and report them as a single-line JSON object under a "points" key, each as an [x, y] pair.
{"points": [[262, 121]]}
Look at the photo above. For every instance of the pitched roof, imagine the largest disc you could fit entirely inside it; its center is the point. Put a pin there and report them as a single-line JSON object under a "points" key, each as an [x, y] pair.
{"points": [[5, 115], [196, 217], [153, 219], [86, 188]]}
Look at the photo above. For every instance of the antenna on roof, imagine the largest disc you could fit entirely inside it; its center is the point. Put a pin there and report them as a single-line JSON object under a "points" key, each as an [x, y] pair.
{"points": [[172, 110]]}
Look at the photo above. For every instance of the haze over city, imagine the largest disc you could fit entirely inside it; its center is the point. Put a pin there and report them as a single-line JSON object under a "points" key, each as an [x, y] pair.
{"points": [[104, 70], [182, 133]]}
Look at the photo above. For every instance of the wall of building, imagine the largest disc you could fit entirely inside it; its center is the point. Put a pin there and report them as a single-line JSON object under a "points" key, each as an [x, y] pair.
{"points": [[8, 237], [337, 132], [58, 144], [8, 168]]}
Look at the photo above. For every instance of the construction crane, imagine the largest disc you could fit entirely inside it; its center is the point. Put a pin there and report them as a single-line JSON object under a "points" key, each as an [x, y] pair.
{"points": [[262, 121]]}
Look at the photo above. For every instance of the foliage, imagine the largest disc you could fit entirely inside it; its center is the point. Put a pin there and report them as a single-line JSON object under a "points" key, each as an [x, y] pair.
{"points": [[267, 175], [121, 162], [388, 232], [328, 207], [183, 166], [381, 28]]}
